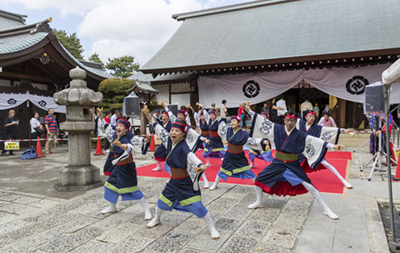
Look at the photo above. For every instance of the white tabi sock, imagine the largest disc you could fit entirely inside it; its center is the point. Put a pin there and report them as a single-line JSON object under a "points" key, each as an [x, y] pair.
{"points": [[215, 185], [208, 162], [252, 165], [336, 173], [206, 184], [147, 213], [258, 203], [154, 222], [111, 209], [317, 195], [214, 233], [158, 168]]}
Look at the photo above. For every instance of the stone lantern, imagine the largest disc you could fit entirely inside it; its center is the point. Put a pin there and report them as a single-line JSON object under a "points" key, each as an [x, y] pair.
{"points": [[80, 174]]}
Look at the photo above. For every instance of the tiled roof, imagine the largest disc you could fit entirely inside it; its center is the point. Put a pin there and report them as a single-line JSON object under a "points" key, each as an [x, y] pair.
{"points": [[271, 30]]}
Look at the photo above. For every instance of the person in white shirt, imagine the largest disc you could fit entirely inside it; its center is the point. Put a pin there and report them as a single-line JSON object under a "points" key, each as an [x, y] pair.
{"points": [[36, 127], [327, 121], [224, 111], [114, 118]]}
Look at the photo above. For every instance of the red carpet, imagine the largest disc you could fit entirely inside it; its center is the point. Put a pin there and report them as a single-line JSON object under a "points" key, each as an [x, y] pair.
{"points": [[324, 180]]}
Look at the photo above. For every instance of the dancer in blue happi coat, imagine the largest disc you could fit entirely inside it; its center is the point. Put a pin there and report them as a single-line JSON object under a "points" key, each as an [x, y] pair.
{"points": [[328, 134], [161, 153], [235, 163], [284, 176], [98, 130], [202, 124], [265, 154], [193, 140], [216, 127], [123, 179], [182, 190]]}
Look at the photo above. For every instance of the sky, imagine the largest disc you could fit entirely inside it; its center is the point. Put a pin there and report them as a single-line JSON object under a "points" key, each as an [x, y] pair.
{"points": [[114, 28]]}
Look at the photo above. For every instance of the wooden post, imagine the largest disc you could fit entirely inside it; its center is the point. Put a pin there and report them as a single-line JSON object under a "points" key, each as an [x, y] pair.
{"points": [[143, 122], [342, 113]]}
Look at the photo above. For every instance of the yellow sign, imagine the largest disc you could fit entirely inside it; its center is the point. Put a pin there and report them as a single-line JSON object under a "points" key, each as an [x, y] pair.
{"points": [[11, 145]]}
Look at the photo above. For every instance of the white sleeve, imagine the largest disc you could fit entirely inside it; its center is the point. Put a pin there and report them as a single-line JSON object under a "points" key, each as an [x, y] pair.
{"points": [[262, 127], [172, 116], [188, 121], [251, 113], [138, 144], [255, 143], [196, 117], [222, 129], [314, 150], [105, 130], [192, 163], [162, 133], [206, 115], [330, 134]]}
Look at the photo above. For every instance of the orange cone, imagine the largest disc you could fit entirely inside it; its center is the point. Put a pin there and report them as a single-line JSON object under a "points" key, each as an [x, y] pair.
{"points": [[152, 144], [99, 151], [397, 176], [39, 149]]}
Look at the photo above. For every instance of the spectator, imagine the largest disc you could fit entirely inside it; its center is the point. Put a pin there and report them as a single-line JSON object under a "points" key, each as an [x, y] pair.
{"points": [[107, 118], [213, 106], [306, 105], [50, 124], [11, 127], [115, 118], [224, 110], [265, 108], [241, 115], [327, 121], [36, 128], [281, 109]]}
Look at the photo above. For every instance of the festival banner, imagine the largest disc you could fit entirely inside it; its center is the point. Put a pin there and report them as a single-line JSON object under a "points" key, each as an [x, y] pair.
{"points": [[343, 82]]}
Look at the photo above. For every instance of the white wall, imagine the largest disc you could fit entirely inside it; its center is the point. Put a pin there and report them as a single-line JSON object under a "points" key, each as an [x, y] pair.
{"points": [[164, 93], [180, 99], [180, 87]]}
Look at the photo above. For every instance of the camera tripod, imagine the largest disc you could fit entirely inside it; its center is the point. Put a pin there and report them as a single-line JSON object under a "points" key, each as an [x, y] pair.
{"points": [[377, 157]]}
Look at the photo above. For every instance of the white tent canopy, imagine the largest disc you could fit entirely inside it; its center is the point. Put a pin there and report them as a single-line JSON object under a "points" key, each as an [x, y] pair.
{"points": [[12, 100]]}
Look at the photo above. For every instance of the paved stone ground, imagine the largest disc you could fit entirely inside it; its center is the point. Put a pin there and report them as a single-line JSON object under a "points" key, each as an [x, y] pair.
{"points": [[36, 218]]}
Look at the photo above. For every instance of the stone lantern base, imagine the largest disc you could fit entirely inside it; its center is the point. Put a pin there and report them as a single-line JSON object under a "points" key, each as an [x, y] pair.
{"points": [[79, 178]]}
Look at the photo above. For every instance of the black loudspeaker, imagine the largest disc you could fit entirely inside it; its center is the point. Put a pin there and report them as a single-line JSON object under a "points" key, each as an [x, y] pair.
{"points": [[173, 109], [131, 106], [375, 98]]}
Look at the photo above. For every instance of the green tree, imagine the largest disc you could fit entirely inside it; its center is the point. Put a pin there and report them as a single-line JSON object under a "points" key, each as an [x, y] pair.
{"points": [[114, 91], [122, 66], [95, 58], [70, 42]]}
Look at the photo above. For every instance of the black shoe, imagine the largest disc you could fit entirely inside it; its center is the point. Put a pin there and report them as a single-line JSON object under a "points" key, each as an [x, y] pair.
{"points": [[12, 154], [4, 154]]}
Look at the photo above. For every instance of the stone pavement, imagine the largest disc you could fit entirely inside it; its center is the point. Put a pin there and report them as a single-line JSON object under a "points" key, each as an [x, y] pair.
{"points": [[36, 218]]}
